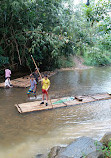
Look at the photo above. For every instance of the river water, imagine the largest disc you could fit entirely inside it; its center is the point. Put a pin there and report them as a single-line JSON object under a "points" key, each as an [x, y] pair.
{"points": [[25, 135]]}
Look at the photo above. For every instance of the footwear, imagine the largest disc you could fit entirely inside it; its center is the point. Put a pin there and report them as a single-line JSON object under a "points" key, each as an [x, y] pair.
{"points": [[46, 104], [42, 102]]}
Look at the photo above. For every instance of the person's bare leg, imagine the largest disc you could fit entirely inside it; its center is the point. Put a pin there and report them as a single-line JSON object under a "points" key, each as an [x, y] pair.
{"points": [[46, 99], [42, 99], [34, 94]]}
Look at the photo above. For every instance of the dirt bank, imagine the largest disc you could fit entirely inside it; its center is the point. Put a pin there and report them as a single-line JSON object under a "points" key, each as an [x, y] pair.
{"points": [[78, 62]]}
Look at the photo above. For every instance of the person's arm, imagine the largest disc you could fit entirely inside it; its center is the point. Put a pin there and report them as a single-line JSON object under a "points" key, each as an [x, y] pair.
{"points": [[40, 77], [30, 75]]}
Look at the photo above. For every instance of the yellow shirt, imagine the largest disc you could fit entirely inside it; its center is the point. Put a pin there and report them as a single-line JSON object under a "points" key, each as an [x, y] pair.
{"points": [[46, 83]]}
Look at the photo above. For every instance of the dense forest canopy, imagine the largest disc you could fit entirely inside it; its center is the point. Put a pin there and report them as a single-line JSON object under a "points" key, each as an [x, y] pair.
{"points": [[52, 30]]}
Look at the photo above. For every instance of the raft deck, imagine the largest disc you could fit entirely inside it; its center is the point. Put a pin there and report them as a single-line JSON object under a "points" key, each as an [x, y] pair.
{"points": [[61, 102]]}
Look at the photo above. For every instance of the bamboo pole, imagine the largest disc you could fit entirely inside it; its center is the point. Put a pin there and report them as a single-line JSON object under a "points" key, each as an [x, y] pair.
{"points": [[36, 66]]}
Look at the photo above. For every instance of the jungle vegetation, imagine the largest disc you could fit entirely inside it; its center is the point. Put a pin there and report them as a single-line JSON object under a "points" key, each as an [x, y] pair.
{"points": [[52, 30]]}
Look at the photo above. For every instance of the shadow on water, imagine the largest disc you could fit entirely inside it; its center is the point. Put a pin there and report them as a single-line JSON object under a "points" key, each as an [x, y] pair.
{"points": [[24, 135]]}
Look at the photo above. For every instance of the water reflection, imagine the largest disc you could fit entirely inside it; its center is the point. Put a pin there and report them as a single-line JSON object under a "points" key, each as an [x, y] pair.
{"points": [[22, 136], [82, 81]]}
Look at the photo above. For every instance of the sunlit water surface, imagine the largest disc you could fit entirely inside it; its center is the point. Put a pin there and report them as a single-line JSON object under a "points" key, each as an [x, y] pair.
{"points": [[25, 135]]}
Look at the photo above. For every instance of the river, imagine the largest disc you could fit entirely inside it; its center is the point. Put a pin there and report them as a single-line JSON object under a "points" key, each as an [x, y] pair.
{"points": [[25, 135]]}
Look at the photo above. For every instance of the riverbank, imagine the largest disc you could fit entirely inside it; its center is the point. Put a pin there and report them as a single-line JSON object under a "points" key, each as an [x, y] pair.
{"points": [[82, 147], [78, 64], [22, 80]]}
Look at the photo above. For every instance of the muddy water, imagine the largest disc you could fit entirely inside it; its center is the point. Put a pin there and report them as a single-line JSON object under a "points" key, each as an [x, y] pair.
{"points": [[25, 135]]}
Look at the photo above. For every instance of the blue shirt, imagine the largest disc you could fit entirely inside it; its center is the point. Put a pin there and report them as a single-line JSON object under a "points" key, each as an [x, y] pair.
{"points": [[33, 83]]}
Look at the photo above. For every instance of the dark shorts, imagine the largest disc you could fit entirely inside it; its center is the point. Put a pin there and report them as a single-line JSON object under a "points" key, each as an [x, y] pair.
{"points": [[30, 91], [7, 77], [44, 91]]}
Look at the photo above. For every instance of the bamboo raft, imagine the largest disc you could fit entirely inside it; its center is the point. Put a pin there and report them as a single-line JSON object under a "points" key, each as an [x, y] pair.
{"points": [[22, 82], [61, 102]]}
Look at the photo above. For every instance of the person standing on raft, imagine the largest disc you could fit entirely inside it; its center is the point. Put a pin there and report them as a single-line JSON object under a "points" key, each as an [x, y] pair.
{"points": [[45, 87], [36, 75], [33, 87]]}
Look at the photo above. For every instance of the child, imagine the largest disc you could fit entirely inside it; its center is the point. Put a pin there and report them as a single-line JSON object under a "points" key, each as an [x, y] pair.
{"points": [[45, 87], [33, 86]]}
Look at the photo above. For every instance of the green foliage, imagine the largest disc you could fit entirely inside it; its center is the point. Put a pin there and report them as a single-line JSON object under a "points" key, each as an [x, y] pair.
{"points": [[98, 57], [105, 42], [33, 27], [107, 150], [66, 62], [4, 60], [47, 48], [97, 11], [51, 29], [96, 45]]}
